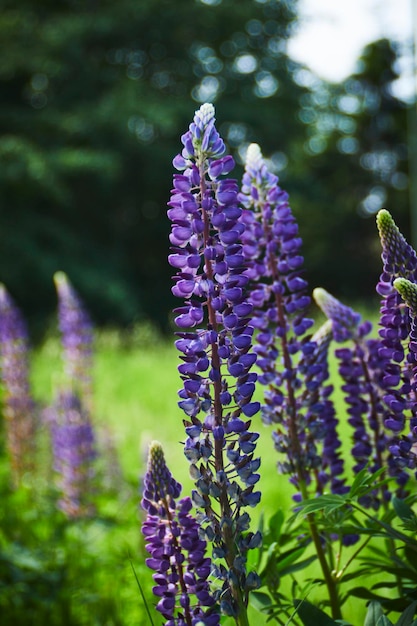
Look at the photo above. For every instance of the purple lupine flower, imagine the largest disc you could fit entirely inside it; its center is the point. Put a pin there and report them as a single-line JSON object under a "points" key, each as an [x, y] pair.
{"points": [[362, 369], [215, 340], [77, 337], [405, 448], [320, 413], [73, 446], [396, 320], [177, 553], [286, 356], [19, 407], [345, 321]]}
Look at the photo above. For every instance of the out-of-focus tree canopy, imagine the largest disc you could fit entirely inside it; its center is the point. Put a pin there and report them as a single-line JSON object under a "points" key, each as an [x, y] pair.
{"points": [[358, 164], [95, 96]]}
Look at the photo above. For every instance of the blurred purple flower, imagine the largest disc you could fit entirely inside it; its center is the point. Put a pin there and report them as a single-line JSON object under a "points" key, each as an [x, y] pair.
{"points": [[20, 411], [77, 337], [177, 553], [215, 340], [73, 446]]}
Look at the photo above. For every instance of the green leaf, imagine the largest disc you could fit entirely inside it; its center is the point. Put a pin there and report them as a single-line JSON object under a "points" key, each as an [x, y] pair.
{"points": [[260, 600], [310, 615], [407, 615], [287, 558], [373, 614], [299, 565], [365, 593], [275, 524], [384, 621], [327, 503], [405, 513], [410, 555], [364, 481]]}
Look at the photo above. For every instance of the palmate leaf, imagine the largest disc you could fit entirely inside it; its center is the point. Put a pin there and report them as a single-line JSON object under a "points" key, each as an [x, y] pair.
{"points": [[395, 534], [326, 503], [393, 566], [364, 482]]}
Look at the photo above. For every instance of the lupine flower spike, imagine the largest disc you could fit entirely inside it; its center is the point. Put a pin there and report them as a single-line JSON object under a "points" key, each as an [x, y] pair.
{"points": [[73, 446], [397, 338], [19, 407], [362, 369], [215, 340], [77, 338], [286, 354], [405, 449], [177, 553]]}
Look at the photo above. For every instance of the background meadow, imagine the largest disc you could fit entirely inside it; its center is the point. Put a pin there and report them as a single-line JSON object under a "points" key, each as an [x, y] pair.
{"points": [[84, 571]]}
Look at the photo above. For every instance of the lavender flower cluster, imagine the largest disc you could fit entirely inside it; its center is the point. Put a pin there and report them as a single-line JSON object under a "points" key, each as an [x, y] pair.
{"points": [[362, 368], [215, 340], [293, 365], [245, 302], [396, 286], [177, 553]]}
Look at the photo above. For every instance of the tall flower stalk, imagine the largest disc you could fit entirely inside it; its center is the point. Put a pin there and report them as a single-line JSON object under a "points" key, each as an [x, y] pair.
{"points": [[294, 366], [177, 553], [73, 438], [77, 338], [405, 450], [215, 341], [73, 445], [362, 368], [397, 339], [19, 407]]}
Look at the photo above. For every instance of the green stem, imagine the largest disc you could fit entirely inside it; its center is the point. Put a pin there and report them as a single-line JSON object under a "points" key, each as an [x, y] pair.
{"points": [[340, 573], [331, 582], [232, 551]]}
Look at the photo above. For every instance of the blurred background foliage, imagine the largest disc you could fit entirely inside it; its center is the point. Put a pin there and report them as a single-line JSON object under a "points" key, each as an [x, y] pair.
{"points": [[95, 96]]}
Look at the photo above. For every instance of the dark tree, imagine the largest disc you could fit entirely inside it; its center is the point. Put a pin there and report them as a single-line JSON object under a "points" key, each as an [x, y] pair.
{"points": [[95, 97], [358, 164]]}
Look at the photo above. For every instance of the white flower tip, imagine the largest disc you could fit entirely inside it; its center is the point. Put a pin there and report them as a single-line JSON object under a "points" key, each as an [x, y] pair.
{"points": [[205, 113], [254, 158]]}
